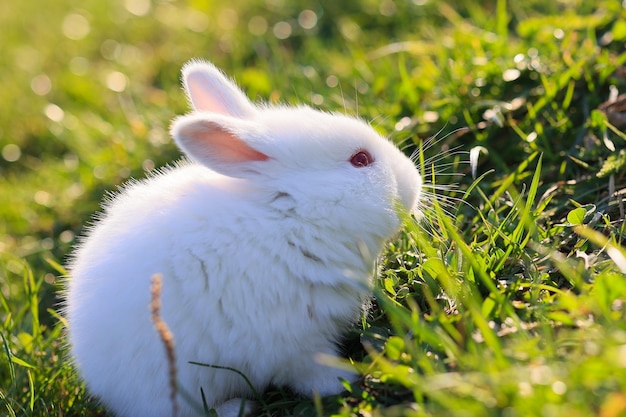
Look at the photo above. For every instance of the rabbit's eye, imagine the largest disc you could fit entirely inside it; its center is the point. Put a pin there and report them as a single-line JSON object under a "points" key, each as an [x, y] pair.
{"points": [[361, 159]]}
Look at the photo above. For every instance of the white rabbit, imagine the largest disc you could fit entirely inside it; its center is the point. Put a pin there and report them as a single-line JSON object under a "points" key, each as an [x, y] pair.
{"points": [[266, 241]]}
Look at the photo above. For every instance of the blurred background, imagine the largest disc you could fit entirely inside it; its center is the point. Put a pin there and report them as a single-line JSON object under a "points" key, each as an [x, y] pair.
{"points": [[88, 89]]}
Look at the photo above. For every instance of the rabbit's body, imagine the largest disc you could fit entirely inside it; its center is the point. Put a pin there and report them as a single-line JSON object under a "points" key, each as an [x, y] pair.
{"points": [[266, 247]]}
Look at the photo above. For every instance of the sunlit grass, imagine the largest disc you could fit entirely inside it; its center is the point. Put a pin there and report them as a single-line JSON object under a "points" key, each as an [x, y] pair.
{"points": [[506, 300], [544, 338]]}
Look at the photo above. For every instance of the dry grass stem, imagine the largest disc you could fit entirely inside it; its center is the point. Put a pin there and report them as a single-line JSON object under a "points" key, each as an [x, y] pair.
{"points": [[166, 336]]}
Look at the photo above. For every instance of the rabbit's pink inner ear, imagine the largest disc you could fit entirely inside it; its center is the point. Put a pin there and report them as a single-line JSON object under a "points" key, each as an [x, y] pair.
{"points": [[231, 149], [201, 99], [213, 144]]}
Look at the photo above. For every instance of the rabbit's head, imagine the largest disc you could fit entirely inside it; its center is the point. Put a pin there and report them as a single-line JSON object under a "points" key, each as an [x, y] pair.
{"points": [[320, 168]]}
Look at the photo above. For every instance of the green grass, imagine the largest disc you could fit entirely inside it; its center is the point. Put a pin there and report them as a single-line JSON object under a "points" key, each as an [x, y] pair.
{"points": [[511, 304]]}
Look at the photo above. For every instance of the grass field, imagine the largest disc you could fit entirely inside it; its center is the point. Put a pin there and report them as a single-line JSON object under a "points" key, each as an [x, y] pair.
{"points": [[508, 299]]}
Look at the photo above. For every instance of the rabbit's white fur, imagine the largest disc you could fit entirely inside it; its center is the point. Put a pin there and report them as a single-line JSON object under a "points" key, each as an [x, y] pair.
{"points": [[266, 243]]}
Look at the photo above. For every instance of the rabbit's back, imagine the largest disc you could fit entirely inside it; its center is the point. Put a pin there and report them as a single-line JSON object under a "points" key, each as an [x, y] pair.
{"points": [[236, 292]]}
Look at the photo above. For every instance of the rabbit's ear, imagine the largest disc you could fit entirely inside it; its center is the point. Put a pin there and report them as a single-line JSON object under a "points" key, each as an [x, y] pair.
{"points": [[209, 90], [216, 146]]}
